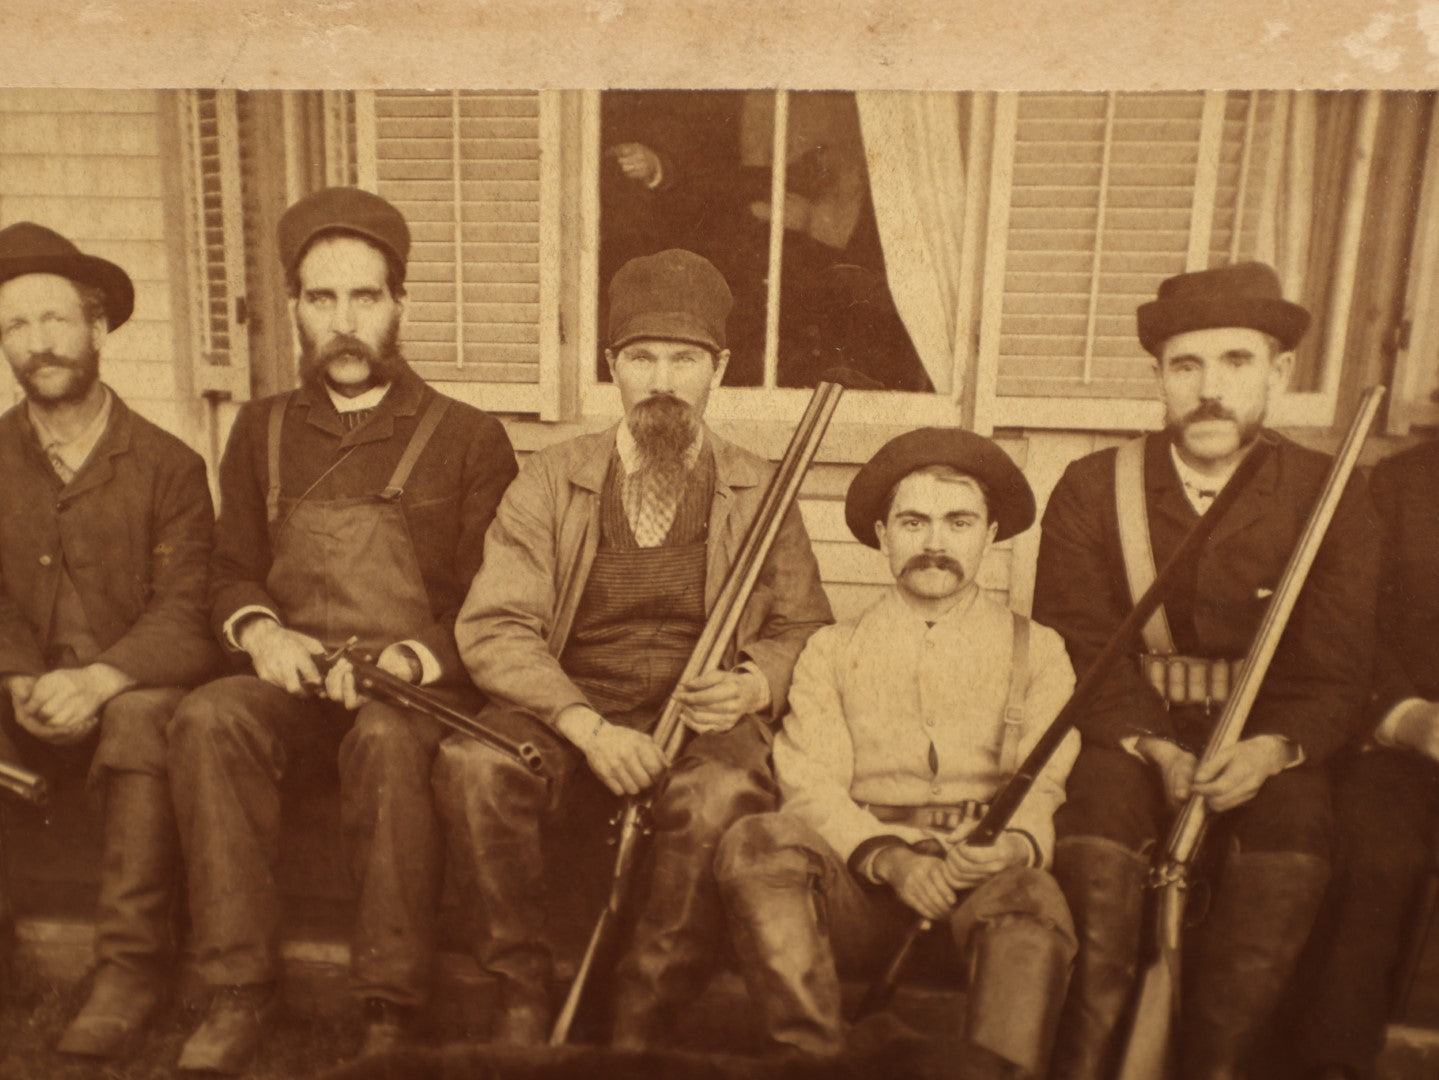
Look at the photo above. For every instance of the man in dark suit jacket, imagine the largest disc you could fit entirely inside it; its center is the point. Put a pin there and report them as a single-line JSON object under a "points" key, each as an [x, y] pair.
{"points": [[355, 506], [1223, 342], [105, 525], [1386, 794]]}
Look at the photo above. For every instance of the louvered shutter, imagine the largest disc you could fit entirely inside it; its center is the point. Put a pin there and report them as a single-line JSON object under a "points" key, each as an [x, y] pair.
{"points": [[464, 167], [216, 253], [1108, 194]]}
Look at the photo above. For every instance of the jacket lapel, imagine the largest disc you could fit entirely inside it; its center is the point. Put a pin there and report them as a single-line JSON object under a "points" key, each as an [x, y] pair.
{"points": [[100, 468], [1255, 501], [734, 474]]}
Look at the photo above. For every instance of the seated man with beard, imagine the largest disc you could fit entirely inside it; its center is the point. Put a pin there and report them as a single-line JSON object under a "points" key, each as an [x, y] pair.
{"points": [[354, 506], [603, 563]]}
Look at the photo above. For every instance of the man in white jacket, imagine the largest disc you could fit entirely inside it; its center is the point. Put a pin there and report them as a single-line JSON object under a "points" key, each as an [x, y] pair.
{"points": [[904, 723]]}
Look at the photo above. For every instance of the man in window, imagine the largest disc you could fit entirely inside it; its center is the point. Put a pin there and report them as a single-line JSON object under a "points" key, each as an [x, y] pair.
{"points": [[1386, 795], [605, 558], [903, 723], [1223, 342], [355, 506], [105, 525]]}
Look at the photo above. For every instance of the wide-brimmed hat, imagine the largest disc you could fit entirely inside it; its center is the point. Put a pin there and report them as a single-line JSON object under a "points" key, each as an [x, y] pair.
{"points": [[1011, 502], [1244, 294], [344, 210], [673, 295], [27, 248]]}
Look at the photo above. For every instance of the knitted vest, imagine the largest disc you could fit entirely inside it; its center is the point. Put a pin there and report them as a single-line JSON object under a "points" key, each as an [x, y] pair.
{"points": [[643, 608]]}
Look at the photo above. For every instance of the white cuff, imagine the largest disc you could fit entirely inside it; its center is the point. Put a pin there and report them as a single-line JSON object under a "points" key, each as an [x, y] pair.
{"points": [[430, 670], [1387, 733], [240, 616]]}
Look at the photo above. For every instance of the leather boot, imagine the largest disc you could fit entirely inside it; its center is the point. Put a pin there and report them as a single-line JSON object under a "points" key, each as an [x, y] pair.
{"points": [[229, 1037], [1019, 970], [781, 940], [133, 921], [675, 947], [1103, 882], [1244, 955]]}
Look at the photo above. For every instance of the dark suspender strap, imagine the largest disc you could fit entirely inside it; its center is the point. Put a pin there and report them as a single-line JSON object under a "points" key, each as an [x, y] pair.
{"points": [[1014, 706], [1134, 542], [434, 413], [272, 455]]}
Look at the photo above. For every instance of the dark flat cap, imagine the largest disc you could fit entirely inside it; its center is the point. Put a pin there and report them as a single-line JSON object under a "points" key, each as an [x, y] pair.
{"points": [[344, 210], [1011, 501], [27, 248], [1245, 294], [674, 295]]}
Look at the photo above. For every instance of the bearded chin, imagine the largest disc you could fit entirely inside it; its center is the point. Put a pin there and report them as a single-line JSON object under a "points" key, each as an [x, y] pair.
{"points": [[663, 427]]}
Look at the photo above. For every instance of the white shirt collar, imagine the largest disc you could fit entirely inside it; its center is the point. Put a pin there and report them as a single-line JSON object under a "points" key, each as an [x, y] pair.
{"points": [[368, 400], [1195, 482], [630, 452], [76, 451]]}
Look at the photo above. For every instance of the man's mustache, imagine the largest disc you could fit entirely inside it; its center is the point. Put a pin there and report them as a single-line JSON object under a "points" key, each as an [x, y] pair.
{"points": [[346, 345], [933, 561], [50, 359], [1208, 410]]}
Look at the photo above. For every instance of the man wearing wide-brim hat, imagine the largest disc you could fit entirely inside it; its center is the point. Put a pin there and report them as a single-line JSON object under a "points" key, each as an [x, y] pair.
{"points": [[353, 507], [903, 724], [105, 530], [1223, 342], [605, 559]]}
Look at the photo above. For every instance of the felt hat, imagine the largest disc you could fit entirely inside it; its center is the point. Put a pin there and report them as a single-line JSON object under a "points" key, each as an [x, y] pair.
{"points": [[27, 248], [1011, 502], [673, 295], [344, 210], [1244, 294]]}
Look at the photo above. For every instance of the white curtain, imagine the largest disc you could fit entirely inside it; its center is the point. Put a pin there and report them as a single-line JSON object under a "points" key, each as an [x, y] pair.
{"points": [[916, 179]]}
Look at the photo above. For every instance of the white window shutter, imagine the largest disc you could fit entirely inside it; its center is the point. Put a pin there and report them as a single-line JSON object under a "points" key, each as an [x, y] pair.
{"points": [[464, 167]]}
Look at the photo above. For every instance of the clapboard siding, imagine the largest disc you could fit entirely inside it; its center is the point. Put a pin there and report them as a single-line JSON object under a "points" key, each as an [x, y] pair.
{"points": [[90, 165]]}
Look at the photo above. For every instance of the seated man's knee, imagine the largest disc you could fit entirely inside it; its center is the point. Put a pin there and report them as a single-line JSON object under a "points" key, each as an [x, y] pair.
{"points": [[132, 731], [702, 798], [212, 716], [468, 771], [772, 845]]}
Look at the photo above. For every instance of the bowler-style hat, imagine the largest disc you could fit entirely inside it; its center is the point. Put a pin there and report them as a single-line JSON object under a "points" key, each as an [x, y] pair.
{"points": [[674, 295], [1244, 294], [344, 210], [1011, 502], [27, 248]]}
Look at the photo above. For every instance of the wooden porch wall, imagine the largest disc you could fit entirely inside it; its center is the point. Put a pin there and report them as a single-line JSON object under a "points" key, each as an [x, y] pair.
{"points": [[93, 164]]}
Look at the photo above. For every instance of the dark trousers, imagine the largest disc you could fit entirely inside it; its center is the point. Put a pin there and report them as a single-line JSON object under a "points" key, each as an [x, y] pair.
{"points": [[129, 738], [1387, 807], [229, 746], [501, 805]]}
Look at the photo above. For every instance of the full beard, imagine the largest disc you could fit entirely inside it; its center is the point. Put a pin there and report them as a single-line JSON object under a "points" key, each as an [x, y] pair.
{"points": [[385, 363], [663, 427], [84, 373]]}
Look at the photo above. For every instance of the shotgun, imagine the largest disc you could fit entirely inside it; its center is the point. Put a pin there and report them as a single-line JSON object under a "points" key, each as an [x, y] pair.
{"points": [[1146, 1056], [24, 784]]}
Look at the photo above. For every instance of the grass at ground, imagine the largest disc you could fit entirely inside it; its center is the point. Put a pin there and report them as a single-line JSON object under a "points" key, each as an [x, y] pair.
{"points": [[33, 1014]]}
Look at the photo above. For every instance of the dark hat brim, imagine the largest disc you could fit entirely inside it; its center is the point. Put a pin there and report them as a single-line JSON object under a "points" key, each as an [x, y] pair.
{"points": [[1011, 500], [114, 283], [1160, 320], [665, 326]]}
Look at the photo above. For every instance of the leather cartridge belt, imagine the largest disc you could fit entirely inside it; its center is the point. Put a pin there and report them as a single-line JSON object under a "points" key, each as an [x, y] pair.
{"points": [[1190, 680], [941, 817]]}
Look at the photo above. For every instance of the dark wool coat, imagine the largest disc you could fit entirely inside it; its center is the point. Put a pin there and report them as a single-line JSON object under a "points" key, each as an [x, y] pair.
{"points": [[1319, 679], [133, 528]]}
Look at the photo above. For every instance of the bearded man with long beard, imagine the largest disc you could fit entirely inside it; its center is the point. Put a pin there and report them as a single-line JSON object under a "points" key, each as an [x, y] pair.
{"points": [[605, 558], [355, 506], [1223, 342]]}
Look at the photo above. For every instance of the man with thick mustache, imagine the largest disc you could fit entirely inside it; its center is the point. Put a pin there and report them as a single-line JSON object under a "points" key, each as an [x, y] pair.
{"points": [[105, 525], [355, 506], [903, 724], [1223, 342], [604, 560]]}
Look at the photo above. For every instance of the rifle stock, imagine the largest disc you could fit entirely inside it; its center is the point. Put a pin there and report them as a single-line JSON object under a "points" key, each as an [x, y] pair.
{"points": [[1147, 1053], [24, 784]]}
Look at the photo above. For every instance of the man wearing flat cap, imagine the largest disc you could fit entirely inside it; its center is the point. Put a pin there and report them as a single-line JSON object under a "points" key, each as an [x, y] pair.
{"points": [[352, 507], [903, 724], [604, 561], [1223, 342], [105, 525]]}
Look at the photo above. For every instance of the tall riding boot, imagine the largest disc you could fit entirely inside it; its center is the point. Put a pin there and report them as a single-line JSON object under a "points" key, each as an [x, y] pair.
{"points": [[1262, 915], [133, 931], [1019, 969], [781, 940], [1103, 882], [675, 947]]}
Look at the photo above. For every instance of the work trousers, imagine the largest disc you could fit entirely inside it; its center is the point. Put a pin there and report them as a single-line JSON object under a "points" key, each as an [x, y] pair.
{"points": [[229, 745]]}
